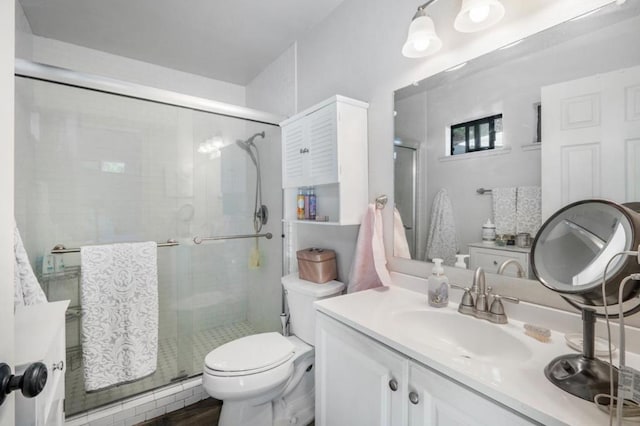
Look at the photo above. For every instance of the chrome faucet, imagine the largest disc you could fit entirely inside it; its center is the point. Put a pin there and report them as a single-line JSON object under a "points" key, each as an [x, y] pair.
{"points": [[480, 307], [508, 262]]}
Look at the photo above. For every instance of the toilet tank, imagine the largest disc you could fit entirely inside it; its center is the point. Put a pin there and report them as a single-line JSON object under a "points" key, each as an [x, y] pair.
{"points": [[300, 297]]}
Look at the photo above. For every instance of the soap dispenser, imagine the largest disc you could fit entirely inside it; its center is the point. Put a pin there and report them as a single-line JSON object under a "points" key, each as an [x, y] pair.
{"points": [[438, 286], [460, 263]]}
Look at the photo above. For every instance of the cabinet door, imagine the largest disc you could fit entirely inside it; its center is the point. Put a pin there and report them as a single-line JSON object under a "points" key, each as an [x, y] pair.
{"points": [[436, 401], [322, 145], [354, 377], [293, 153]]}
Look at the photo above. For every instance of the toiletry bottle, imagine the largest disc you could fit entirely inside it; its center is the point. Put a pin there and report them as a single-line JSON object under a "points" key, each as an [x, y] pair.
{"points": [[306, 203], [312, 203], [438, 286], [460, 263], [488, 232], [300, 204]]}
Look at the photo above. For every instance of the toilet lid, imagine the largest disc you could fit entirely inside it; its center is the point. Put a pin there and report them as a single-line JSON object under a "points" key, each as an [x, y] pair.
{"points": [[254, 352]]}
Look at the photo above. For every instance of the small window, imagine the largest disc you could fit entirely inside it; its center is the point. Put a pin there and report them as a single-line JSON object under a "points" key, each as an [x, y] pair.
{"points": [[476, 135]]}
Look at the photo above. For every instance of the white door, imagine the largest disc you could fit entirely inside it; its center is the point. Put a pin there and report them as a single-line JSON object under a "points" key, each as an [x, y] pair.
{"points": [[7, 13], [591, 139], [436, 401], [358, 381]]}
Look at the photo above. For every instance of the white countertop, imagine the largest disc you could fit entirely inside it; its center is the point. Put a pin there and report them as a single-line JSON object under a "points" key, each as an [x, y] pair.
{"points": [[521, 386]]}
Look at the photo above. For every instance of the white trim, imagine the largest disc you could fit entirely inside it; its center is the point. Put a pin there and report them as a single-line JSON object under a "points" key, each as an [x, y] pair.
{"points": [[535, 146], [320, 105], [476, 154], [54, 74]]}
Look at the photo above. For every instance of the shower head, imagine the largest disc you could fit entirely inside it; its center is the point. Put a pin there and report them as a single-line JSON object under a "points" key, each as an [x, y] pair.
{"points": [[247, 144]]}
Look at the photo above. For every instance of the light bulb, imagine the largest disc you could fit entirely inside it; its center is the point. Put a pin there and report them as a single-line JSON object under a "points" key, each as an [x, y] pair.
{"points": [[479, 13], [421, 45]]}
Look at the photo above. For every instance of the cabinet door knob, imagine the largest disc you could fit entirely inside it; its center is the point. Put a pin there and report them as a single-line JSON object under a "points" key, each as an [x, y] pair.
{"points": [[413, 397], [393, 385], [30, 383]]}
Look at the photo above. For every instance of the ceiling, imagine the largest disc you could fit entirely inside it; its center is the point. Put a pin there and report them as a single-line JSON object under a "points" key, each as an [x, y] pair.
{"points": [[232, 40]]}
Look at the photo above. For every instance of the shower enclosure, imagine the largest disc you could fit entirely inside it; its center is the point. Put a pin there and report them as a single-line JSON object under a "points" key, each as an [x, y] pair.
{"points": [[96, 168]]}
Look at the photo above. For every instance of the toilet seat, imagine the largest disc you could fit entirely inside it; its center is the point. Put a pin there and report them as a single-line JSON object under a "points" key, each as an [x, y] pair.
{"points": [[249, 355]]}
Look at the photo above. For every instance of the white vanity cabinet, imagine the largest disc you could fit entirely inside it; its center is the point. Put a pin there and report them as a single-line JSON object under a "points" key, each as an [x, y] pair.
{"points": [[358, 381], [361, 382], [490, 257], [438, 401], [325, 147]]}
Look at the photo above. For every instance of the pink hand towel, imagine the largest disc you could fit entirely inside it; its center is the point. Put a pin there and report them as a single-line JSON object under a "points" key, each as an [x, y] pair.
{"points": [[369, 269]]}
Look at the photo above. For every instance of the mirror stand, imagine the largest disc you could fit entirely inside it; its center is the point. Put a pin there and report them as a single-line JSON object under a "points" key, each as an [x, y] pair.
{"points": [[583, 375]]}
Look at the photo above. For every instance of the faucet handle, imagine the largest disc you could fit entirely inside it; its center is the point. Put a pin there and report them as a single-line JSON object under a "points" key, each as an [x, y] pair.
{"points": [[467, 299], [496, 305]]}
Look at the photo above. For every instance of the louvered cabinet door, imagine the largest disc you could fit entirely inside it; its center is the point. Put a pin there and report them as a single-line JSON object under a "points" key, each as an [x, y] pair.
{"points": [[294, 165], [322, 145]]}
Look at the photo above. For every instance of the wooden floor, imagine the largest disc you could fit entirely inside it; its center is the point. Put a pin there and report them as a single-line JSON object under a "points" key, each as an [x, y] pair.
{"points": [[204, 413]]}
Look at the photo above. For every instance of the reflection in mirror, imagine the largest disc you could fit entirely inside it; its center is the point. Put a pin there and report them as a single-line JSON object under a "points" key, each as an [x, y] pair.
{"points": [[536, 125]]}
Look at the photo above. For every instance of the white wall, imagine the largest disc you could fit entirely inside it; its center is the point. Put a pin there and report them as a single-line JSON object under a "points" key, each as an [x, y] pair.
{"points": [[355, 52], [78, 58], [7, 259]]}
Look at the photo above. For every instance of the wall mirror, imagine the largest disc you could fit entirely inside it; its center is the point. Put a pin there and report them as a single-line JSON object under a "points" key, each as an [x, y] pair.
{"points": [[524, 130]]}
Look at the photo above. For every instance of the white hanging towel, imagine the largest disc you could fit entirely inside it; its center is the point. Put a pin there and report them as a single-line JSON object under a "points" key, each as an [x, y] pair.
{"points": [[27, 290], [442, 240], [119, 313], [528, 209], [400, 244], [369, 267], [504, 210]]}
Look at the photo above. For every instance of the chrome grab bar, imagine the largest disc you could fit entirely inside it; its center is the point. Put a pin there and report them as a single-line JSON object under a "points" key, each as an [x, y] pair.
{"points": [[61, 249], [199, 240]]}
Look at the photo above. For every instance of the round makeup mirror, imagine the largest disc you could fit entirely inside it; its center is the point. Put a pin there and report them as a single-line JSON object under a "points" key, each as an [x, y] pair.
{"points": [[569, 255], [573, 247]]}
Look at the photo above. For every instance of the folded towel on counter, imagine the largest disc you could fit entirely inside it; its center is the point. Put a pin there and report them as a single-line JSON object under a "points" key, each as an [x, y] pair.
{"points": [[119, 295], [442, 240], [27, 290], [528, 209], [400, 244], [504, 210], [369, 267]]}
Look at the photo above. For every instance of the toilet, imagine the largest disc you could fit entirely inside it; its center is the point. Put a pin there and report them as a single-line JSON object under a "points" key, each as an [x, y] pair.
{"points": [[267, 379]]}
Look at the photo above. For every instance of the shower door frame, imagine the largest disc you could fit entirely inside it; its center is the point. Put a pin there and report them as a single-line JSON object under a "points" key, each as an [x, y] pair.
{"points": [[53, 74], [66, 77]]}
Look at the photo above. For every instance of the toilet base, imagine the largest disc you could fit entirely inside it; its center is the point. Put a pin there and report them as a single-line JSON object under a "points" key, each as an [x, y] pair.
{"points": [[242, 413]]}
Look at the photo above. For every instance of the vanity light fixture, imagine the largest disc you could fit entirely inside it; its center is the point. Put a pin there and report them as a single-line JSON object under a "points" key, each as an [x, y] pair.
{"points": [[422, 39], [478, 15], [475, 15]]}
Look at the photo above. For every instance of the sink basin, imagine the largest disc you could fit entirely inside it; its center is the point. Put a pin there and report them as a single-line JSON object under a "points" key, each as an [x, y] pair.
{"points": [[461, 335]]}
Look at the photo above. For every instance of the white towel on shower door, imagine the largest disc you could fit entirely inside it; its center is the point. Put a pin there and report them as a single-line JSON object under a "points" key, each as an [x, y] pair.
{"points": [[27, 290], [119, 313]]}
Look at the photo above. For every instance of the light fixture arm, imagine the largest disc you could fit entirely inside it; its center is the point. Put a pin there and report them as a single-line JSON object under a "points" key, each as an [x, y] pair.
{"points": [[422, 7]]}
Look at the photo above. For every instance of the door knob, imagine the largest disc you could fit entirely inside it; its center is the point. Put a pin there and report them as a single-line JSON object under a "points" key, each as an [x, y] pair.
{"points": [[30, 383], [393, 384]]}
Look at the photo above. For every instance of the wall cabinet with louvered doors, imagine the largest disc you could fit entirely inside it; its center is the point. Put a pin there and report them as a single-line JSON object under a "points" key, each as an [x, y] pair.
{"points": [[325, 147]]}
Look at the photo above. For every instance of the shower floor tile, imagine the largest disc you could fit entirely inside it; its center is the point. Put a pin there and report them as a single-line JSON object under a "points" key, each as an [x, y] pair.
{"points": [[198, 345]]}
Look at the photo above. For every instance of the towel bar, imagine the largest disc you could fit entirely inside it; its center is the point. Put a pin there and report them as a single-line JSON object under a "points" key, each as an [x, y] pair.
{"points": [[61, 249], [199, 240]]}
